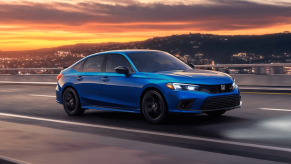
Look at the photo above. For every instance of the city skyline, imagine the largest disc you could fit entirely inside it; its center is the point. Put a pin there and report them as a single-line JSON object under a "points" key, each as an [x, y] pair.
{"points": [[191, 48], [27, 25]]}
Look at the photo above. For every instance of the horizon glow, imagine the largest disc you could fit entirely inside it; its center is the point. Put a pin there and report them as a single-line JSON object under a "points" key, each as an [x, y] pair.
{"points": [[27, 25]]}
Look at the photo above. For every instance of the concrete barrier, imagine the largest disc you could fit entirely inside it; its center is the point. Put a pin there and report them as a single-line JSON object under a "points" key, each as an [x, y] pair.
{"points": [[29, 78], [275, 80]]}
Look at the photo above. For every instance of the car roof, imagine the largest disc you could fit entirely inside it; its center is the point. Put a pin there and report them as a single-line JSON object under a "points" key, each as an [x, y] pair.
{"points": [[127, 51]]}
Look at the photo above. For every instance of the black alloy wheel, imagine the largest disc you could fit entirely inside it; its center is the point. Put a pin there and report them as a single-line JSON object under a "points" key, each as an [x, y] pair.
{"points": [[216, 113], [71, 103], [154, 107]]}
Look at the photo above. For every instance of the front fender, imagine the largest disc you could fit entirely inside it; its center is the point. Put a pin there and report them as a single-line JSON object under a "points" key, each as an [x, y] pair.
{"points": [[158, 86]]}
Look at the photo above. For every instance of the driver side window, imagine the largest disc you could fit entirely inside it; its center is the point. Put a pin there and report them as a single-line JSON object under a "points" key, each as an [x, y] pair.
{"points": [[115, 60]]}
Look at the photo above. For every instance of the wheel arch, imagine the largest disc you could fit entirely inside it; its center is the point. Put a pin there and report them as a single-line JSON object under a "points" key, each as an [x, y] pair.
{"points": [[68, 86], [151, 88], [71, 86]]}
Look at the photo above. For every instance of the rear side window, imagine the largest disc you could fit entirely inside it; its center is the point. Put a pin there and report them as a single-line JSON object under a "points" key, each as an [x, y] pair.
{"points": [[79, 66], [115, 60], [93, 64]]}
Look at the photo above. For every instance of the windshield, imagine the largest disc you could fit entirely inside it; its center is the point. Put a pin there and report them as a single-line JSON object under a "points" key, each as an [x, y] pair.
{"points": [[156, 61]]}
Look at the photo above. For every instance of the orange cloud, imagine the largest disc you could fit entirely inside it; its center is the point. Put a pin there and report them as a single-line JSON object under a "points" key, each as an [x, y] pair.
{"points": [[31, 25]]}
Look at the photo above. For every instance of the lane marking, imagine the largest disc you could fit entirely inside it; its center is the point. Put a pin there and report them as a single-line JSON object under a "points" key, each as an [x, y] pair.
{"points": [[25, 85], [13, 160], [23, 82], [153, 133], [42, 95], [8, 90], [288, 110], [268, 93]]}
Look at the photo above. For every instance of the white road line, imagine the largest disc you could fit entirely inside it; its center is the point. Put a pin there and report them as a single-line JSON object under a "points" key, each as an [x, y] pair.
{"points": [[23, 82], [153, 133], [42, 95], [13, 160], [288, 110]]}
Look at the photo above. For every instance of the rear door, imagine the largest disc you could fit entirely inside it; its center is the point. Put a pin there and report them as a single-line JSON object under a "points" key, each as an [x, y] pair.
{"points": [[90, 80], [75, 77], [118, 91]]}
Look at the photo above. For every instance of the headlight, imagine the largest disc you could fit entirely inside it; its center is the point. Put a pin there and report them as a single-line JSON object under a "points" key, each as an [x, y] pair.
{"points": [[183, 87], [233, 84]]}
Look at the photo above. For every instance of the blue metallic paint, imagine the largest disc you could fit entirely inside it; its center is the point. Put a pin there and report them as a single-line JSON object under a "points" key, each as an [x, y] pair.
{"points": [[123, 93]]}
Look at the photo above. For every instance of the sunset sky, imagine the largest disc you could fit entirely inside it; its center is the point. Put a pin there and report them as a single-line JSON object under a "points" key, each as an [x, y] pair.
{"points": [[33, 24]]}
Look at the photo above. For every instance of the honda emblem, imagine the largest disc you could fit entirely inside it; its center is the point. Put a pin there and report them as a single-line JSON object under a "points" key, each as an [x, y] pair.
{"points": [[223, 87]]}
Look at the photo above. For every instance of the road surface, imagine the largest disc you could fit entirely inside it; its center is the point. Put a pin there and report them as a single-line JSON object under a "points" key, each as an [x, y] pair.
{"points": [[260, 132]]}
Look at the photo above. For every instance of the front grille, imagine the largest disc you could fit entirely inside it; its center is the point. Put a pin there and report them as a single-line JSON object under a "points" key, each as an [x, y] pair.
{"points": [[220, 102], [216, 88]]}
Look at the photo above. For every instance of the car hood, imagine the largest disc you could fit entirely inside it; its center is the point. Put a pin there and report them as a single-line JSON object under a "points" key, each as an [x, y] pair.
{"points": [[195, 76]]}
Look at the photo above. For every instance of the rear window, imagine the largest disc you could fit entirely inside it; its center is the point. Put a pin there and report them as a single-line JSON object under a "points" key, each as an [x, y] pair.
{"points": [[79, 66], [93, 64]]}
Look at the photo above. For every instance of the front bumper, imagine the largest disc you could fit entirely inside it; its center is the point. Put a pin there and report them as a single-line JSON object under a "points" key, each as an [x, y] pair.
{"points": [[200, 100], [204, 111]]}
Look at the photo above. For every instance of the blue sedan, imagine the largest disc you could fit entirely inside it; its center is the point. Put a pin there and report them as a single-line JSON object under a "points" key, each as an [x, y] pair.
{"points": [[154, 83]]}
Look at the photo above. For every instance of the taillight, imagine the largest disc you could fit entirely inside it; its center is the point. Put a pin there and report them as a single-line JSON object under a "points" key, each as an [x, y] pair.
{"points": [[59, 76]]}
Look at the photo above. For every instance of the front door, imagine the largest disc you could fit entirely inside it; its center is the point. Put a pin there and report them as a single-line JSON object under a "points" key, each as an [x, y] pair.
{"points": [[118, 91]]}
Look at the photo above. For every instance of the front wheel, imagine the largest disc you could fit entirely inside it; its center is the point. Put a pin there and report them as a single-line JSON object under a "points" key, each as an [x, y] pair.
{"points": [[216, 113], [154, 107], [71, 103]]}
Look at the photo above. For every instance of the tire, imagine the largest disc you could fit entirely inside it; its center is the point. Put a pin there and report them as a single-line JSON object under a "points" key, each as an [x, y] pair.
{"points": [[71, 103], [216, 113], [154, 107]]}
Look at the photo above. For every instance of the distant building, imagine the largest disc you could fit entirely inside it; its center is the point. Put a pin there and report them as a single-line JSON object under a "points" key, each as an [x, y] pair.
{"points": [[199, 55], [246, 56], [8, 58], [186, 58], [63, 53], [239, 55], [286, 32]]}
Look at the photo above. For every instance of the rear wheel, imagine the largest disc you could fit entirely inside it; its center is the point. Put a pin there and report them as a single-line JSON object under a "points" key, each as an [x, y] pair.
{"points": [[71, 103], [154, 107], [216, 113]]}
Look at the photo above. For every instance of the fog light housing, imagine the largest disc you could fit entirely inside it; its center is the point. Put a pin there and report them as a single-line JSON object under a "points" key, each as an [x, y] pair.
{"points": [[185, 104]]}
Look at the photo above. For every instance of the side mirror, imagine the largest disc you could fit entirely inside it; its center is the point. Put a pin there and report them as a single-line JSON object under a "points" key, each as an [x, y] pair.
{"points": [[122, 70], [191, 65]]}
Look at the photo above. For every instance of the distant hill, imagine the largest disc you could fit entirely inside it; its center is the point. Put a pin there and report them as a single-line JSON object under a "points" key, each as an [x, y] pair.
{"points": [[216, 47], [80, 47]]}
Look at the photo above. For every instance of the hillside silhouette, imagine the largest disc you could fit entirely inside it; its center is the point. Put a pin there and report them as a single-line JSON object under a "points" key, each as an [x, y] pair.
{"points": [[219, 48]]}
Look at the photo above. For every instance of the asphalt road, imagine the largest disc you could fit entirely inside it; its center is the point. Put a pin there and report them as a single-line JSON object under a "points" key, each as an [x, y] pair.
{"points": [[265, 120]]}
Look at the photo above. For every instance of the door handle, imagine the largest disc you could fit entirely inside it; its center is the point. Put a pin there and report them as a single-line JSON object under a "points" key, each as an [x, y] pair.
{"points": [[105, 79], [79, 78]]}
